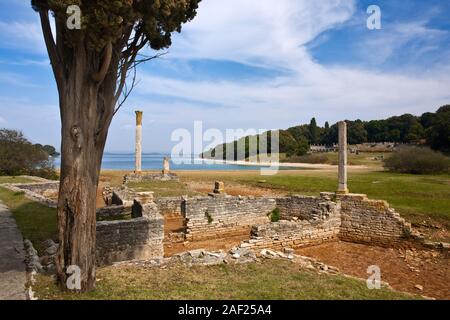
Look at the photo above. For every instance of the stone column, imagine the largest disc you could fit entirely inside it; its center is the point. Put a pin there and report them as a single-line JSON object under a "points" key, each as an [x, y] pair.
{"points": [[342, 189], [166, 165], [138, 166]]}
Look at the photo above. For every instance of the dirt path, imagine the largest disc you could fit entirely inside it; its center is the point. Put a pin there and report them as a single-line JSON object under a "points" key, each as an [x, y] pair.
{"points": [[402, 269], [12, 255]]}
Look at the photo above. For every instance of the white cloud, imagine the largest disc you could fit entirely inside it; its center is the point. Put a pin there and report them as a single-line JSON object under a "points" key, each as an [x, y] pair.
{"points": [[272, 35], [24, 35], [382, 45], [258, 31]]}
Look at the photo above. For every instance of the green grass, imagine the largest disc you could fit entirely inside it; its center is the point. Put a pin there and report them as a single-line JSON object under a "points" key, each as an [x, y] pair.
{"points": [[163, 188], [278, 280], [36, 221], [412, 195], [4, 179]]}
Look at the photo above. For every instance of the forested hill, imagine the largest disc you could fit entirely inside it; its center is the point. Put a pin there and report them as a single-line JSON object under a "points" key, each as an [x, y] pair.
{"points": [[434, 128]]}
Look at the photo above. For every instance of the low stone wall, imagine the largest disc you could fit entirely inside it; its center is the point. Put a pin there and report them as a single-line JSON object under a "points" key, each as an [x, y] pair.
{"points": [[169, 205], [296, 233], [220, 216], [45, 193], [113, 212], [136, 239], [142, 177], [371, 221], [305, 208], [123, 197], [310, 221]]}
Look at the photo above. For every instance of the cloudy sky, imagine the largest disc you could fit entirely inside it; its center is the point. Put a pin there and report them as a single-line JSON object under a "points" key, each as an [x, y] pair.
{"points": [[250, 64]]}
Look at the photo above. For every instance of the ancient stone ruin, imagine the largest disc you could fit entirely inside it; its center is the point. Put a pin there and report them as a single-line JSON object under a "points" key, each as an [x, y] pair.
{"points": [[131, 226]]}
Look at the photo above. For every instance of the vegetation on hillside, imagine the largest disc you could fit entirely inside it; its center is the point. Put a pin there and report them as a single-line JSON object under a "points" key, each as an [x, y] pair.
{"points": [[18, 156], [431, 128]]}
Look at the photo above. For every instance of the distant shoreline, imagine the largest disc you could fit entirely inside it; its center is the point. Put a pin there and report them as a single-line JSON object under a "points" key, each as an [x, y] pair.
{"points": [[277, 164]]}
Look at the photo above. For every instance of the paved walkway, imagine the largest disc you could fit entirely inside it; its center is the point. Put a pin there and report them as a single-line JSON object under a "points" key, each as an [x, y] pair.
{"points": [[12, 267]]}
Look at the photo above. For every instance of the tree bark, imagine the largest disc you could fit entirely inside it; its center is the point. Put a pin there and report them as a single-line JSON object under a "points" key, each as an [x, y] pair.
{"points": [[87, 84], [87, 106]]}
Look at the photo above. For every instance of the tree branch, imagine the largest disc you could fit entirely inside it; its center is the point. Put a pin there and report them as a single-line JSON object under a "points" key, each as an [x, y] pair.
{"points": [[55, 59], [100, 76]]}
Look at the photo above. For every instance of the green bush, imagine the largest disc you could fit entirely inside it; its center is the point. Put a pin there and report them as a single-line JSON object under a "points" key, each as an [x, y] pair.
{"points": [[209, 217], [275, 215], [417, 160], [18, 156]]}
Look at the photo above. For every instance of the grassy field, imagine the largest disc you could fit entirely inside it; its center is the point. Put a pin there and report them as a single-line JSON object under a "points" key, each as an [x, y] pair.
{"points": [[14, 180], [278, 280], [36, 222]]}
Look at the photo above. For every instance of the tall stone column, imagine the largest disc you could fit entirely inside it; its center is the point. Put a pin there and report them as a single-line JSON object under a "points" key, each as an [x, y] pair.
{"points": [[343, 188], [138, 166]]}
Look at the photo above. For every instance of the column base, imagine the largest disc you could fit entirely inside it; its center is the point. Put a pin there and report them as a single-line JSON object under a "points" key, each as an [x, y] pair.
{"points": [[342, 192]]}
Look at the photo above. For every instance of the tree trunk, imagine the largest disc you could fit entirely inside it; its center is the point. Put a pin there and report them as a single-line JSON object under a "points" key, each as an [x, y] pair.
{"points": [[86, 107]]}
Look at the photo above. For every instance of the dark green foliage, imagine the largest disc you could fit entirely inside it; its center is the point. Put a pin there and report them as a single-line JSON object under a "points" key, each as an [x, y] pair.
{"points": [[209, 217], [438, 133], [275, 215], [417, 160], [18, 156], [431, 128], [105, 20], [313, 132]]}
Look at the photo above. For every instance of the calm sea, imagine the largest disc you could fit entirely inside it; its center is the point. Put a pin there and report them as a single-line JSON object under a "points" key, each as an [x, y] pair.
{"points": [[153, 161]]}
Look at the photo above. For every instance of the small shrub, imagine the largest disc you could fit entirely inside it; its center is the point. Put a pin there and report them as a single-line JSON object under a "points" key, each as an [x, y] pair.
{"points": [[209, 217], [417, 160], [275, 215]]}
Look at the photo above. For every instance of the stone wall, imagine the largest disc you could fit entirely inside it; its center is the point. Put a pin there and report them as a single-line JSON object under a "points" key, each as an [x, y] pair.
{"points": [[310, 221], [135, 239], [298, 232], [220, 216], [113, 212], [45, 193], [169, 205], [143, 177], [305, 208], [371, 221]]}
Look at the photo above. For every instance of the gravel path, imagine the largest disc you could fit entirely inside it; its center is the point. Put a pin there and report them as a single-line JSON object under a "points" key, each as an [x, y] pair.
{"points": [[12, 255]]}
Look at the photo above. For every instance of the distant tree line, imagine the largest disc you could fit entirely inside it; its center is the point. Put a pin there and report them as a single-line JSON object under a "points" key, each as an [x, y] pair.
{"points": [[431, 128], [18, 156]]}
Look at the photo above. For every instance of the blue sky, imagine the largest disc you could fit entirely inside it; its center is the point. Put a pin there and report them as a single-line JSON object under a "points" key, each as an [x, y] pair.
{"points": [[250, 64]]}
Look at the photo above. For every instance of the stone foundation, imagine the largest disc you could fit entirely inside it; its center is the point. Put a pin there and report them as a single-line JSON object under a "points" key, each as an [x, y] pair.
{"points": [[143, 177], [310, 221], [136, 239], [220, 216], [169, 205], [304, 220], [371, 222], [113, 212], [305, 208], [45, 192]]}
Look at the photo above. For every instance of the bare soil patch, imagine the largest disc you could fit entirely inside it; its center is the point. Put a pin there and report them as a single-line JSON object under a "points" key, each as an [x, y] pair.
{"points": [[403, 269]]}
